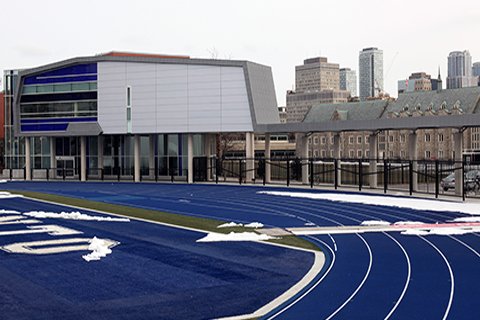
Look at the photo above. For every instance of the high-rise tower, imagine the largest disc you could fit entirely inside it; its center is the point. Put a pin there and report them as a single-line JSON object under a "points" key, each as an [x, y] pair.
{"points": [[370, 65]]}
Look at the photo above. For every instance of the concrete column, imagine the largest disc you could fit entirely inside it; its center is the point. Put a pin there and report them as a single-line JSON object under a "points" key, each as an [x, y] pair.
{"points": [[100, 140], [373, 154], [28, 160], [151, 155], [53, 149], [83, 158], [136, 158], [190, 157], [412, 155], [207, 138], [304, 157], [336, 155], [248, 155], [268, 170], [458, 148]]}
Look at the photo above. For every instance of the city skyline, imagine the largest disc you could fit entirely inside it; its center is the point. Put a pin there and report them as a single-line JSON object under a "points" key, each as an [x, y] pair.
{"points": [[274, 33]]}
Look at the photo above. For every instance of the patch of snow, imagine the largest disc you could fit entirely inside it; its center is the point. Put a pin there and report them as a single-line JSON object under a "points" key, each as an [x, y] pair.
{"points": [[438, 231], [375, 223], [408, 203], [99, 250], [255, 225], [467, 219], [235, 236], [3, 211], [310, 224], [406, 223], [74, 215], [230, 225], [8, 195], [184, 200], [415, 232], [3, 181]]}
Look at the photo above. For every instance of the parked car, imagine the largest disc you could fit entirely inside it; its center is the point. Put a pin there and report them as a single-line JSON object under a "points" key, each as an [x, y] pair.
{"points": [[471, 181], [448, 182]]}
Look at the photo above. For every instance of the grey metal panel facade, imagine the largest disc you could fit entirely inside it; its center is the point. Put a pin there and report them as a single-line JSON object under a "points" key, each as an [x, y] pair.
{"points": [[264, 101], [173, 98]]}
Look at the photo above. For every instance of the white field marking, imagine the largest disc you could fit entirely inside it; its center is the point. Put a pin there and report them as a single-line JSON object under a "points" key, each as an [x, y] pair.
{"points": [[17, 220], [361, 283], [3, 211], [52, 230], [10, 218], [312, 287], [410, 203], [74, 215], [409, 272], [52, 246], [452, 283], [334, 243]]}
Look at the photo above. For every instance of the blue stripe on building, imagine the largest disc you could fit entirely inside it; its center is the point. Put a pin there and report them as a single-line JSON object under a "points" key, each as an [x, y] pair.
{"points": [[77, 73]]}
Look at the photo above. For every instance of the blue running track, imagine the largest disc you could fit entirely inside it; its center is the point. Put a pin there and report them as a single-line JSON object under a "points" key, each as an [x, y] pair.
{"points": [[369, 276]]}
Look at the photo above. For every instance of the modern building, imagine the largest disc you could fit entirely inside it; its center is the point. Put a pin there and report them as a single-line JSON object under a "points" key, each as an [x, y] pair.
{"points": [[370, 66], [2, 132], [282, 113], [460, 70], [131, 114], [316, 81], [348, 81], [476, 71]]}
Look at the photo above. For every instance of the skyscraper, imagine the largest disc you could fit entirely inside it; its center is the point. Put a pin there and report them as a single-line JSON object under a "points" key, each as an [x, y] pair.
{"points": [[370, 65], [476, 71], [348, 81], [460, 70]]}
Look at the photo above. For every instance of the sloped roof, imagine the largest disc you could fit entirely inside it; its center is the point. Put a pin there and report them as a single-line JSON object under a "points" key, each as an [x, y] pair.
{"points": [[466, 99], [364, 110]]}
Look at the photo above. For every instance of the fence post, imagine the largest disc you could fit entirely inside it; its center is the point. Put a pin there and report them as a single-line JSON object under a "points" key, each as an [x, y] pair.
{"points": [[463, 180], [217, 166], [360, 175], [47, 174], [410, 176], [11, 173], [240, 173], [436, 179], [118, 174], [312, 174], [63, 173], [102, 174], [24, 173], [335, 171], [288, 172], [385, 175], [264, 170]]}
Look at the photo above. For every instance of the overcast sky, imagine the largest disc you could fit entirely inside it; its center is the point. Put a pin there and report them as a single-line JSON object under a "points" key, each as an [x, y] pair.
{"points": [[415, 35]]}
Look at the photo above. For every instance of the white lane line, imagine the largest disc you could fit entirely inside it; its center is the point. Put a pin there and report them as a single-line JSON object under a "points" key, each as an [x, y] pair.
{"points": [[466, 245], [409, 272], [334, 243], [361, 284], [452, 282], [312, 287]]}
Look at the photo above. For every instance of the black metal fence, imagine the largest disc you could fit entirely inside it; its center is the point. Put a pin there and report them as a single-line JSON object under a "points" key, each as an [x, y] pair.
{"points": [[424, 176]]}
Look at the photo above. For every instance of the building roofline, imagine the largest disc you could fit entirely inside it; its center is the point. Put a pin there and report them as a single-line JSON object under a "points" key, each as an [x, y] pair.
{"points": [[138, 58]]}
